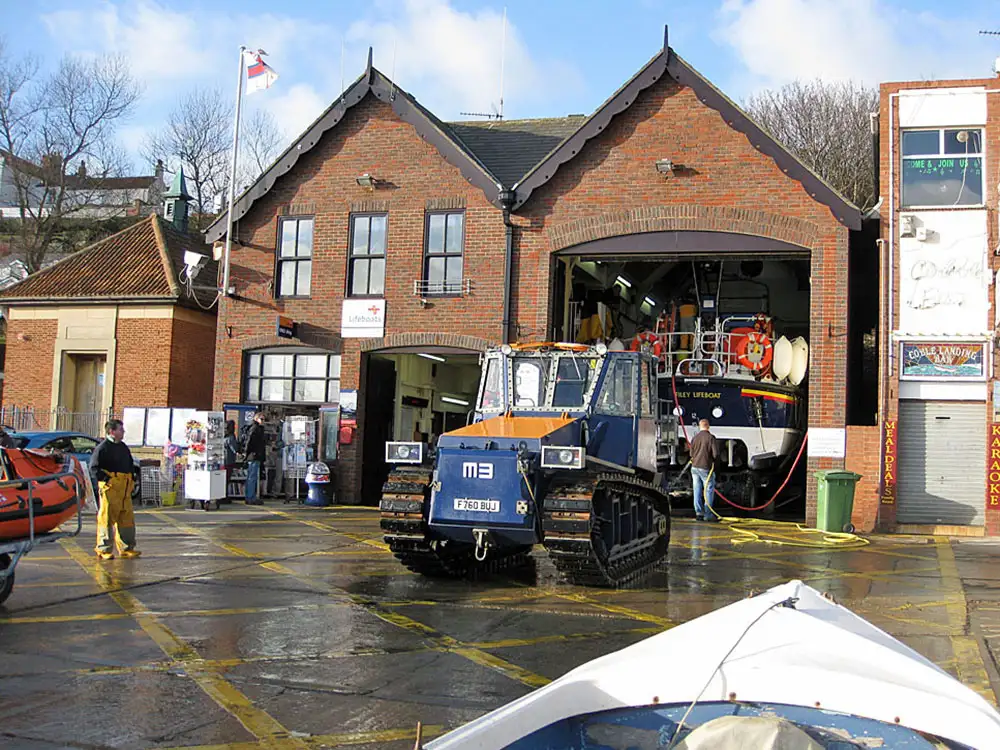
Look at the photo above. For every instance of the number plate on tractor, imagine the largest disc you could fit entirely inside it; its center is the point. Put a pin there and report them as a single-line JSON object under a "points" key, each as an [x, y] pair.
{"points": [[483, 506]]}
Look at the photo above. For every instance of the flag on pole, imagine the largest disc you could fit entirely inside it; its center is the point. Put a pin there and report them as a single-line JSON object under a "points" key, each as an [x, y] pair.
{"points": [[260, 75]]}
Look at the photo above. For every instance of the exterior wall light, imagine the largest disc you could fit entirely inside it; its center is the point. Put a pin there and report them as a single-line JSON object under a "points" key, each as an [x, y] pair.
{"points": [[665, 167], [367, 181]]}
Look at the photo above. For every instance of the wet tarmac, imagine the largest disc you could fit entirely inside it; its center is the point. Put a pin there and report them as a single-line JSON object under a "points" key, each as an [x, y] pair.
{"points": [[292, 627]]}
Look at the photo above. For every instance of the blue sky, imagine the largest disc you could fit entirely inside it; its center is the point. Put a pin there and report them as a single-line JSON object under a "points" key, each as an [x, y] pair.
{"points": [[561, 56]]}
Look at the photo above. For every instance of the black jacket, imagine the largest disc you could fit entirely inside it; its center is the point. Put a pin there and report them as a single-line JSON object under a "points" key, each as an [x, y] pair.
{"points": [[110, 456], [255, 446]]}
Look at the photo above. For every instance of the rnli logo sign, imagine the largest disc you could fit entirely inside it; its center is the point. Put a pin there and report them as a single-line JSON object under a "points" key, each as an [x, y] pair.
{"points": [[472, 470], [362, 318]]}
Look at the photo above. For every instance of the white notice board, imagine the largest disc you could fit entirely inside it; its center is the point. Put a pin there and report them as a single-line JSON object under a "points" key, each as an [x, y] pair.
{"points": [[827, 442], [134, 420], [157, 426]]}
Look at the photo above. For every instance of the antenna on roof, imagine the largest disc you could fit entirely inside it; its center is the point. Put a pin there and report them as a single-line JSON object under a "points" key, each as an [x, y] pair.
{"points": [[392, 76], [503, 54]]}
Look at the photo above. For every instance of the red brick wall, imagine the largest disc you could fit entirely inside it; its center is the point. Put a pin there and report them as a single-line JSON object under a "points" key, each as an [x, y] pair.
{"points": [[192, 365], [28, 369], [612, 187], [863, 457], [372, 139], [142, 362]]}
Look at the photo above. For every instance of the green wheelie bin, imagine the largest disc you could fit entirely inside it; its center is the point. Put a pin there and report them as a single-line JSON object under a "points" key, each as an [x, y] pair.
{"points": [[835, 499]]}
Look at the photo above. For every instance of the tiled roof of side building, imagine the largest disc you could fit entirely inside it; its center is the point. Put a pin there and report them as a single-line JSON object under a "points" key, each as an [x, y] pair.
{"points": [[140, 262], [510, 148]]}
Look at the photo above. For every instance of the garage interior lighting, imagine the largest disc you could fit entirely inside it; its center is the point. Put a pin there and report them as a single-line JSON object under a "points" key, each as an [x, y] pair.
{"points": [[458, 401], [625, 282], [431, 356], [649, 301]]}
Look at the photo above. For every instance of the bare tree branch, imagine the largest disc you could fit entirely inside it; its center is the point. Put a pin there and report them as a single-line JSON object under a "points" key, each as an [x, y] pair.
{"points": [[57, 143], [198, 136], [827, 126]]}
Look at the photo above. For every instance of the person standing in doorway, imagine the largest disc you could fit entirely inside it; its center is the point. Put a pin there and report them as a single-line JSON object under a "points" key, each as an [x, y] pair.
{"points": [[255, 450], [111, 464], [704, 453]]}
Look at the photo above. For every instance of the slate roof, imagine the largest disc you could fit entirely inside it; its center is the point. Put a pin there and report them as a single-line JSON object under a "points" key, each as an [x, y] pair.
{"points": [[510, 148], [138, 264]]}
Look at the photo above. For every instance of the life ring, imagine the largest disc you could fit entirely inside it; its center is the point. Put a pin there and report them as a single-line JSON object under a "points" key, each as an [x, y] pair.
{"points": [[757, 358], [646, 337]]}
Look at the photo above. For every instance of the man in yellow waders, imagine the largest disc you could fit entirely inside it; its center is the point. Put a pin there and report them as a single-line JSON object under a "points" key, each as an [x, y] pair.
{"points": [[111, 464]]}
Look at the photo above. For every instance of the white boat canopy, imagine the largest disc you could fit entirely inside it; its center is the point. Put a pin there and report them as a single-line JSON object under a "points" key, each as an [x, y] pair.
{"points": [[813, 653]]}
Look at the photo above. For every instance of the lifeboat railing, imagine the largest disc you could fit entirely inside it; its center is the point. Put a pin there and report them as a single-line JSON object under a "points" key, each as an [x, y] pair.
{"points": [[703, 352], [17, 548]]}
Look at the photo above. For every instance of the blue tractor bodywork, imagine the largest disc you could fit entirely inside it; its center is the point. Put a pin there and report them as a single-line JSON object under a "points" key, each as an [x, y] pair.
{"points": [[560, 450]]}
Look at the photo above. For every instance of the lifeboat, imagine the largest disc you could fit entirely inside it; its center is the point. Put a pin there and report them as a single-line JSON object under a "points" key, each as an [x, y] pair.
{"points": [[54, 499]]}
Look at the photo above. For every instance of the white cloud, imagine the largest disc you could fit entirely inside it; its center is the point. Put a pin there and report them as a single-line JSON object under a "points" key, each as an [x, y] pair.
{"points": [[294, 108], [450, 59], [865, 40]]}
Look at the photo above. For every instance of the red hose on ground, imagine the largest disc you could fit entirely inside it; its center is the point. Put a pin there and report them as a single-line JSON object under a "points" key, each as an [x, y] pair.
{"points": [[802, 447]]}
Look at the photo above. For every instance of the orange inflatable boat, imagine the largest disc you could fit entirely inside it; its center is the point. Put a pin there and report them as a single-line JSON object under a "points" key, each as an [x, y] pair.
{"points": [[53, 500]]}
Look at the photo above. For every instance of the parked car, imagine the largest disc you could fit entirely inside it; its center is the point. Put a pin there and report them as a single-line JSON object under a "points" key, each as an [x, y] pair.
{"points": [[76, 444]]}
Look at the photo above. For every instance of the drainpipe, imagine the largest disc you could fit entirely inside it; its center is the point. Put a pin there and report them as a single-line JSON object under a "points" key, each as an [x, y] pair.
{"points": [[507, 198]]}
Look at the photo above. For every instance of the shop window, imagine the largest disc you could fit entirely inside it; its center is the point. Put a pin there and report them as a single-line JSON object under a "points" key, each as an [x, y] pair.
{"points": [[366, 272], [618, 391], [295, 250], [443, 246], [292, 377], [942, 167]]}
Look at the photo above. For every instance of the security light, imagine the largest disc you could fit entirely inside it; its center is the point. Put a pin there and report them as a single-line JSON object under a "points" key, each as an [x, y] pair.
{"points": [[665, 166], [367, 181]]}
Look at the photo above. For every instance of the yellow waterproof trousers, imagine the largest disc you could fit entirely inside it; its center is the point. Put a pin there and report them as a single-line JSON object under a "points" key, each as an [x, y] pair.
{"points": [[116, 512]]}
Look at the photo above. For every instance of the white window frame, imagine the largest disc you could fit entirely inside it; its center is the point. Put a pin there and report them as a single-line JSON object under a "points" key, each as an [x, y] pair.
{"points": [[981, 155]]}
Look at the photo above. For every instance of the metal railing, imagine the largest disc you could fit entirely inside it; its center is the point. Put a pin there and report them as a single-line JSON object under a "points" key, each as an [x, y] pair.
{"points": [[427, 288], [30, 419]]}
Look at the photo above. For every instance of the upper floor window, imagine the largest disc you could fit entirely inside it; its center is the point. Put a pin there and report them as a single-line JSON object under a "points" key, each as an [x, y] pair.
{"points": [[942, 167], [366, 274], [295, 248], [443, 256]]}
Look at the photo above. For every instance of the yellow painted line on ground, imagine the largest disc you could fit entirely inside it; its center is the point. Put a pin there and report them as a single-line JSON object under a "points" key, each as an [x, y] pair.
{"points": [[259, 723], [969, 660], [62, 618], [560, 638], [370, 738], [53, 585], [378, 610], [373, 541]]}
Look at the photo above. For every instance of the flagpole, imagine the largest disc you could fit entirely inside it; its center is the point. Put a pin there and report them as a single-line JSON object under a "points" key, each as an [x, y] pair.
{"points": [[232, 178]]}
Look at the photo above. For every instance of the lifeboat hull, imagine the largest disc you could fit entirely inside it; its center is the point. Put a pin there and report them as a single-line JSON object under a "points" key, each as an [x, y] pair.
{"points": [[54, 501]]}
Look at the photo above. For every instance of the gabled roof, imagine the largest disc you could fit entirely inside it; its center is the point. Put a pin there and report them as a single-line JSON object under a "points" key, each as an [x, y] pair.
{"points": [[138, 264], [669, 63], [429, 127], [513, 158], [510, 148]]}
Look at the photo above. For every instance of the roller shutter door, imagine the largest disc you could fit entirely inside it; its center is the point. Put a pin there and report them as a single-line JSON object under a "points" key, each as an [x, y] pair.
{"points": [[942, 462]]}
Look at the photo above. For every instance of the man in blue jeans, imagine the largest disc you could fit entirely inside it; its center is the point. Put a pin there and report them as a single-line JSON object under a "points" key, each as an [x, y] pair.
{"points": [[255, 449], [704, 453]]}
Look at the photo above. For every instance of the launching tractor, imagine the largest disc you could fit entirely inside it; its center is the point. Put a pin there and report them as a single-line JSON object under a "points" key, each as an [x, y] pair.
{"points": [[561, 450]]}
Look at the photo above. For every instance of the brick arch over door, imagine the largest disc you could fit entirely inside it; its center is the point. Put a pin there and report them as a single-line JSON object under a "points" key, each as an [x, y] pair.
{"points": [[684, 219], [452, 340]]}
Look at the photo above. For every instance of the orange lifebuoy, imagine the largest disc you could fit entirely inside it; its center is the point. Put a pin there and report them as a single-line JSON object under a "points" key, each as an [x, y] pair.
{"points": [[754, 352], [646, 337]]}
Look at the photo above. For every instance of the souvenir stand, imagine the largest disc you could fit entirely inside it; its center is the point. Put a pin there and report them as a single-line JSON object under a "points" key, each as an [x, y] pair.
{"points": [[298, 439], [205, 474]]}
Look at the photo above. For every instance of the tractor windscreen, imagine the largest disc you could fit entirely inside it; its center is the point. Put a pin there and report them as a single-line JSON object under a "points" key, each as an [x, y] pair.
{"points": [[540, 381]]}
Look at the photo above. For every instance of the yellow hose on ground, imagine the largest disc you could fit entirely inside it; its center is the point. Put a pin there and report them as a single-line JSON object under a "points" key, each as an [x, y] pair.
{"points": [[744, 529]]}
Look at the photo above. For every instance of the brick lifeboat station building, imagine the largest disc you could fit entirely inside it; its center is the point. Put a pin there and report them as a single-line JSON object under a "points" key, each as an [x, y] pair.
{"points": [[394, 247]]}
